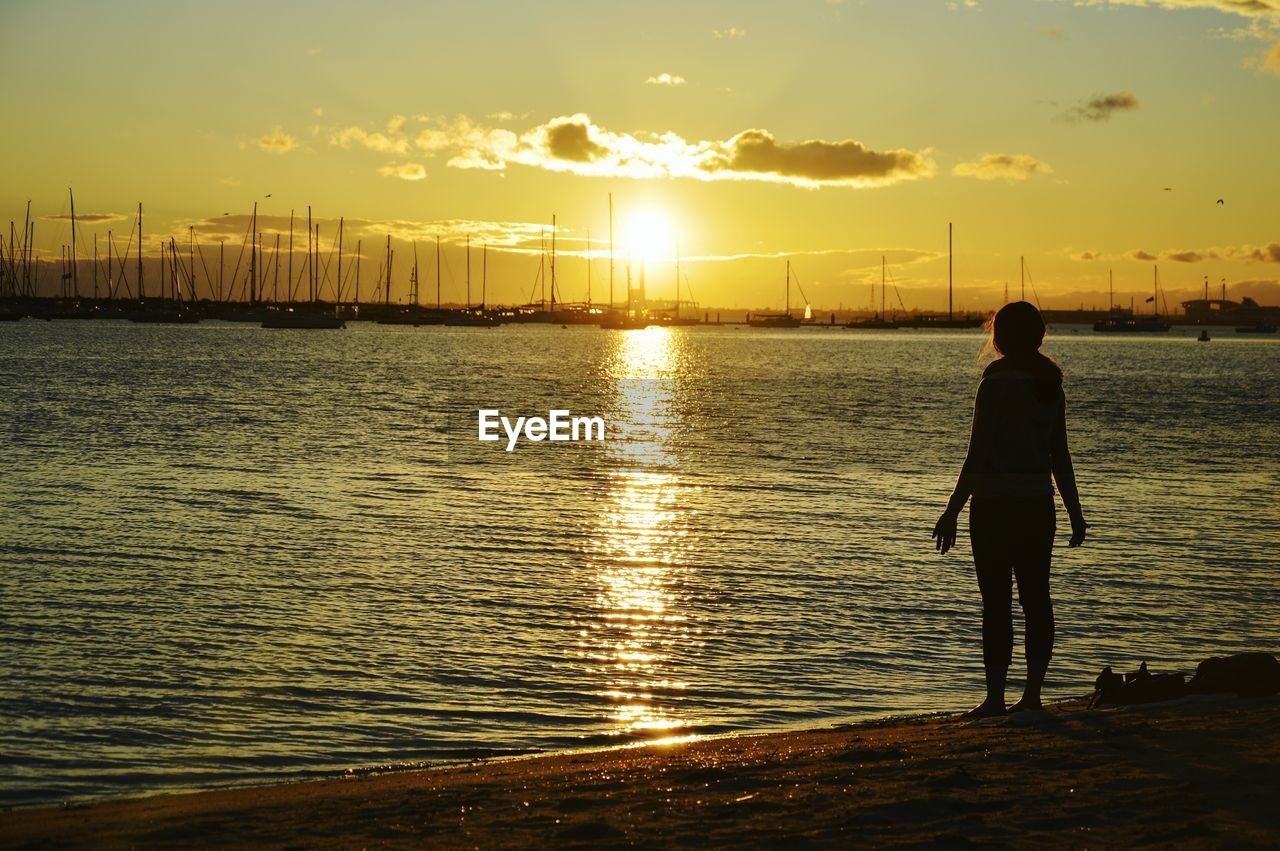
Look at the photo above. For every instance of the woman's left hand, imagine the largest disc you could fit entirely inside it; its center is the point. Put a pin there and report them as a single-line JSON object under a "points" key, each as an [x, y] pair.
{"points": [[944, 531], [1078, 527]]}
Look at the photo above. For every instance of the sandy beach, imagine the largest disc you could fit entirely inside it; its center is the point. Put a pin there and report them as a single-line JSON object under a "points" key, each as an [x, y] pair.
{"points": [[1191, 773]]}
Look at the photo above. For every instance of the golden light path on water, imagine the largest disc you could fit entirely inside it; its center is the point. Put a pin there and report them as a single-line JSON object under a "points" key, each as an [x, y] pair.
{"points": [[638, 554]]}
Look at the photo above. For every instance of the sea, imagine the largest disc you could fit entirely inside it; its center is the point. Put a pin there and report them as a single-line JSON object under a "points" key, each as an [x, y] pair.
{"points": [[232, 555]]}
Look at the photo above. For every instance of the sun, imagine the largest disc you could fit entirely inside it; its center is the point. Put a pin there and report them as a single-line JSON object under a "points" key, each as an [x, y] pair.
{"points": [[649, 237]]}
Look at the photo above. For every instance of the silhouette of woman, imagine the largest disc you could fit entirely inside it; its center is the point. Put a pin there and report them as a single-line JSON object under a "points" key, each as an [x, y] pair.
{"points": [[1018, 440]]}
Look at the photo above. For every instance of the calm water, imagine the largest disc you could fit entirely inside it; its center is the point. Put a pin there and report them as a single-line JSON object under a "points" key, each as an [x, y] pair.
{"points": [[231, 555]]}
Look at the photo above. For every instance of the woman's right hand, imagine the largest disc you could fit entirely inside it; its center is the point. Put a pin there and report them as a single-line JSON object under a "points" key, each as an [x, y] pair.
{"points": [[1078, 527], [944, 531]]}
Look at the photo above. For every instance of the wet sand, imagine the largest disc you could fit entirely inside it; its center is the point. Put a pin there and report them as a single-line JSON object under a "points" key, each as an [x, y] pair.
{"points": [[1193, 773]]}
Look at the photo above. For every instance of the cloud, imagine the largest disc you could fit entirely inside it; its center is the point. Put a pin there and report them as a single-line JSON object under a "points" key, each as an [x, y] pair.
{"points": [[404, 171], [1051, 32], [758, 153], [512, 237], [859, 259], [729, 32], [1086, 255], [277, 142], [574, 144], [380, 142], [1003, 166], [1247, 8], [87, 218], [229, 181], [1269, 253], [1191, 256], [956, 5], [1101, 107], [665, 79], [1271, 62]]}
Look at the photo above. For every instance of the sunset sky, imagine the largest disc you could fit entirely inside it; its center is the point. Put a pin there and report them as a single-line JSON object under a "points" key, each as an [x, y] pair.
{"points": [[827, 132]]}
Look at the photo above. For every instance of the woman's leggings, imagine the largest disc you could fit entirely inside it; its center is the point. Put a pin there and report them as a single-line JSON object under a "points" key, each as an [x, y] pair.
{"points": [[1013, 538]]}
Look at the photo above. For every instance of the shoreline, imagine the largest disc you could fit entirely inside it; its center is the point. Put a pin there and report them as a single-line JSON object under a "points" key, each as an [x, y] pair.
{"points": [[1192, 772], [516, 754]]}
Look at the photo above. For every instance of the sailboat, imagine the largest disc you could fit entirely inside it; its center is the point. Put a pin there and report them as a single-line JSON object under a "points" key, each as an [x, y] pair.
{"points": [[950, 320], [316, 317], [674, 318], [1125, 322], [878, 321], [474, 317], [630, 319], [169, 311], [776, 320]]}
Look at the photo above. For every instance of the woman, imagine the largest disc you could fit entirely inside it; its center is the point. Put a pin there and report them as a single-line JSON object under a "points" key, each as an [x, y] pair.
{"points": [[1019, 439]]}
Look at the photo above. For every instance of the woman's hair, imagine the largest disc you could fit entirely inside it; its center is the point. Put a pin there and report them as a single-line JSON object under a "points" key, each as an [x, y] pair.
{"points": [[1017, 330]]}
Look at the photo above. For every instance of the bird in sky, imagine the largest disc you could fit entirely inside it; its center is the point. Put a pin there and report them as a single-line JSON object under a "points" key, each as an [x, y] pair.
{"points": [[1168, 189], [1220, 201], [268, 195]]}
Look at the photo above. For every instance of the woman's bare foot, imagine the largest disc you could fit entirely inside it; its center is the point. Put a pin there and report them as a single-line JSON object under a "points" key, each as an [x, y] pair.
{"points": [[1027, 704], [989, 708]]}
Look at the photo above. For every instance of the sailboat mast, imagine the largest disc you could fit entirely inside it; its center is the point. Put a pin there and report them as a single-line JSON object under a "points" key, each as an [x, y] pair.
{"points": [[610, 250], [468, 271], [141, 291], [253, 256], [788, 296], [289, 266], [75, 281], [311, 279], [1022, 275], [275, 280], [553, 262], [437, 271], [386, 294], [588, 270], [1111, 290], [359, 263], [949, 272], [341, 222], [95, 267], [882, 270], [415, 273], [484, 274], [677, 281]]}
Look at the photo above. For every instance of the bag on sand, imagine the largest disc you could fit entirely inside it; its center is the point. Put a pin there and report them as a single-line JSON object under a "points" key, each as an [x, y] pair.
{"points": [[1245, 674], [1140, 686]]}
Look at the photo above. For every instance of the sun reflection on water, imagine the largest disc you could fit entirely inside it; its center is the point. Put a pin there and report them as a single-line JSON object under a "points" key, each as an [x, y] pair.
{"points": [[638, 555]]}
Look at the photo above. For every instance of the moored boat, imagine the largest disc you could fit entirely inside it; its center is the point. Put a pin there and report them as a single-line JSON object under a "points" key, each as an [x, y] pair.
{"points": [[777, 320], [294, 319], [877, 322]]}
